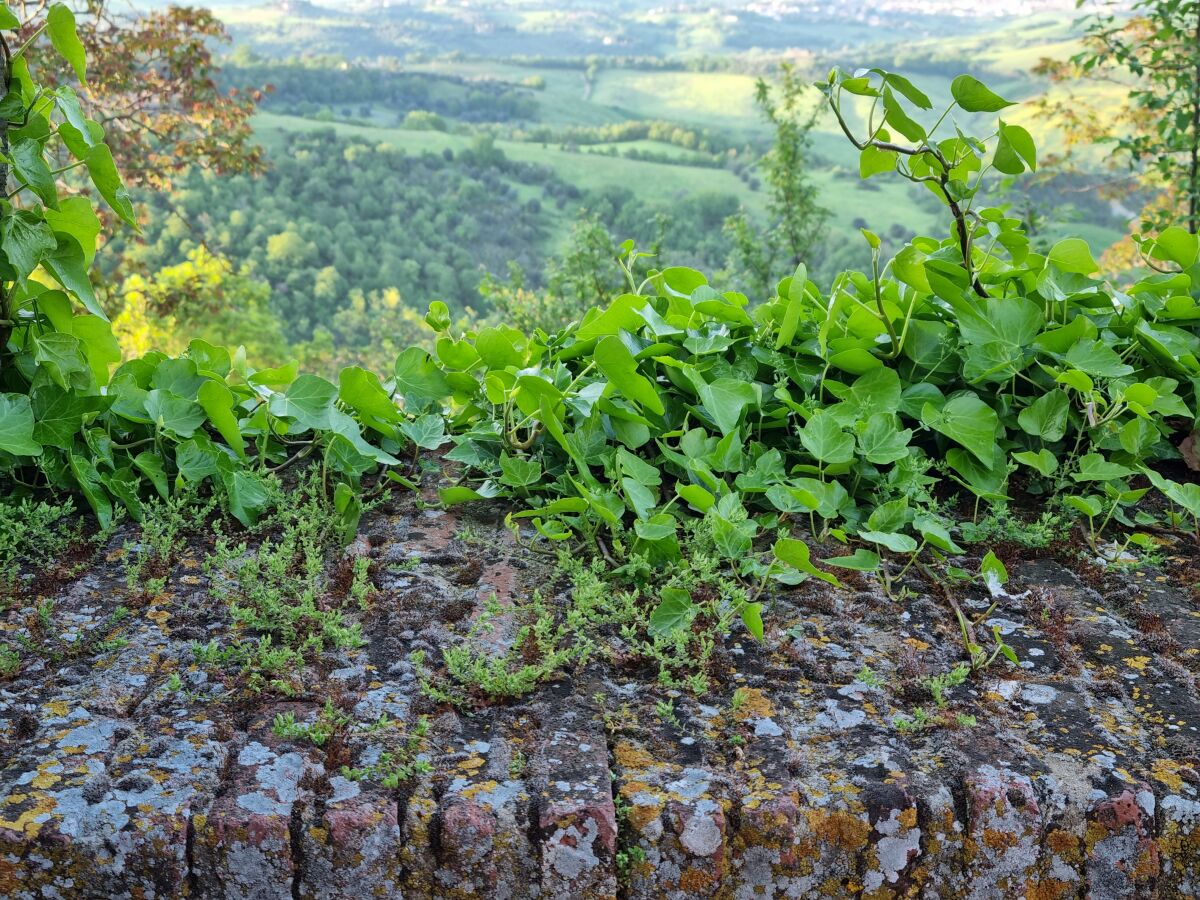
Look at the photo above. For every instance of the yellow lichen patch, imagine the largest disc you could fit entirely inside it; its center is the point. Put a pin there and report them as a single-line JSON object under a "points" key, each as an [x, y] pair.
{"points": [[159, 616], [1138, 663], [630, 757], [25, 820], [908, 817], [1167, 772], [45, 779], [754, 705], [318, 834], [472, 763], [1093, 834], [484, 787], [840, 828], [58, 708]]}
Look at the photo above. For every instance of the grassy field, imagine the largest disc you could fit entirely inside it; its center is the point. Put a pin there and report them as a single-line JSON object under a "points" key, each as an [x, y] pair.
{"points": [[722, 103], [883, 202]]}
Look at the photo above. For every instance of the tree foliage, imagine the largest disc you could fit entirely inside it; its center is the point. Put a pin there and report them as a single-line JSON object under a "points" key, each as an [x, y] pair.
{"points": [[1153, 58], [797, 219], [151, 86]]}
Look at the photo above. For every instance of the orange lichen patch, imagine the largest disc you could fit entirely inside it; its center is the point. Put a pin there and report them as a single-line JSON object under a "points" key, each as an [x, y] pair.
{"points": [[472, 763], [840, 828], [1049, 889], [12, 875], [999, 840], [1147, 862], [1166, 771], [642, 815], [908, 817], [630, 788], [695, 881], [629, 756], [159, 616], [1063, 843]]}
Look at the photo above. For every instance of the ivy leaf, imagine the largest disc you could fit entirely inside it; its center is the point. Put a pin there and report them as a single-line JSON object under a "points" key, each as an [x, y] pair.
{"points": [[873, 161], [196, 459], [26, 239], [107, 179], [621, 369], [899, 119], [752, 619], [246, 495], [882, 440], [16, 426], [343, 456], [967, 420], [92, 488], [974, 96], [897, 543], [1094, 467], [1097, 359], [217, 401], [936, 534], [30, 167], [62, 355], [1015, 150], [674, 612], [308, 401], [428, 431], [824, 438], [1044, 462], [890, 516], [1046, 417], [58, 415], [519, 472], [418, 379], [1073, 255], [151, 466], [68, 264], [362, 392], [174, 414], [733, 539], [861, 560], [60, 23], [725, 400], [797, 555]]}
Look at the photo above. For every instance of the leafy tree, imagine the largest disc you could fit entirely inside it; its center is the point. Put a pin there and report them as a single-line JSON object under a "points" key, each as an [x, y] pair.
{"points": [[203, 297], [1153, 58], [151, 86], [797, 218]]}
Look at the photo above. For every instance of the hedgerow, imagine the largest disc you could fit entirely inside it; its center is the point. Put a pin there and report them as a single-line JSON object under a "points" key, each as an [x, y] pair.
{"points": [[968, 366]]}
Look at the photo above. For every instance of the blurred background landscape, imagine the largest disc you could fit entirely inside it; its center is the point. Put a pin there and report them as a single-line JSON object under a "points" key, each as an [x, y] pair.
{"points": [[494, 154]]}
